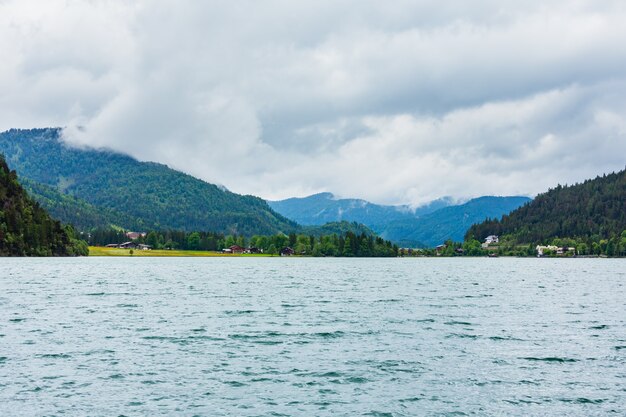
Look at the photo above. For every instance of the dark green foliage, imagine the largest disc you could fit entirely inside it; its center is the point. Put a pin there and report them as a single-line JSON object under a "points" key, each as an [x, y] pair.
{"points": [[126, 189], [337, 228], [346, 243], [26, 229], [589, 212], [81, 214]]}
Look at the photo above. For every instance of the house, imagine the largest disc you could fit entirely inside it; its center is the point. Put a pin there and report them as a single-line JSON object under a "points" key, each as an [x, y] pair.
{"points": [[287, 251], [112, 245], [492, 239], [135, 235], [440, 248], [236, 249], [141, 246], [253, 250], [565, 250], [542, 249], [127, 245]]}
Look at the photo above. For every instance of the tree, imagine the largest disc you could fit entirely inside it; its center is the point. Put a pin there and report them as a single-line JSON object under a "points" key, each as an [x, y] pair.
{"points": [[152, 240], [347, 247], [193, 241]]}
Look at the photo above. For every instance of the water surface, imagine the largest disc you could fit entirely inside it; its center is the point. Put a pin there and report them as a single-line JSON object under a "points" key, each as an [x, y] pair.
{"points": [[312, 337]]}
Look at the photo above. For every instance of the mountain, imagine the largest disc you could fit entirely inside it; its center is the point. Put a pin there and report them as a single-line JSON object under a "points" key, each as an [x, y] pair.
{"points": [[94, 187], [592, 211], [428, 225], [323, 208], [447, 223], [337, 228], [79, 213], [25, 228]]}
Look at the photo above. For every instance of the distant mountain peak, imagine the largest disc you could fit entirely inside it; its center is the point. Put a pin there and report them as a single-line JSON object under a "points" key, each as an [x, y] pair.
{"points": [[424, 225]]}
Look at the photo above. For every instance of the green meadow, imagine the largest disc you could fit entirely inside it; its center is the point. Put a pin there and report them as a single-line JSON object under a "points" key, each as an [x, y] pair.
{"points": [[101, 251]]}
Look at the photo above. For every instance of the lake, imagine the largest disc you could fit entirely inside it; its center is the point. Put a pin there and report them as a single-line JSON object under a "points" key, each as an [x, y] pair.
{"points": [[312, 337]]}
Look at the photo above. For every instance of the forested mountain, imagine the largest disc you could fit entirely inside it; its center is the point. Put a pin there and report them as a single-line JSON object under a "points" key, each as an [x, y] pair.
{"points": [[25, 228], [426, 226], [447, 223], [593, 210], [338, 228], [95, 187], [323, 208], [79, 213]]}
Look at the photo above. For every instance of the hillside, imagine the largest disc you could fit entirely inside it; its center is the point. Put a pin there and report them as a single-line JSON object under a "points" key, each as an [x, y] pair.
{"points": [[96, 187], [323, 208], [426, 226], [593, 210], [25, 228], [79, 213], [447, 223], [337, 228]]}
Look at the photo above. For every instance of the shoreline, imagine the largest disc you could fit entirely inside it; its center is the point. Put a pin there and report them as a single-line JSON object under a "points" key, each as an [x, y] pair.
{"points": [[103, 252]]}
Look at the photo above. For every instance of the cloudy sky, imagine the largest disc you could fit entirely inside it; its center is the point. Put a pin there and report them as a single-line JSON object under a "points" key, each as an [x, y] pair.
{"points": [[395, 102]]}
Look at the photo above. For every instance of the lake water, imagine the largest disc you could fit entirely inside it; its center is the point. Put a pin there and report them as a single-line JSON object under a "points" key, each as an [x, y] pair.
{"points": [[312, 337]]}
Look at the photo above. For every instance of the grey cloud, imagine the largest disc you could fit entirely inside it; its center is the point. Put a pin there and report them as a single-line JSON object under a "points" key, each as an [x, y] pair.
{"points": [[396, 103]]}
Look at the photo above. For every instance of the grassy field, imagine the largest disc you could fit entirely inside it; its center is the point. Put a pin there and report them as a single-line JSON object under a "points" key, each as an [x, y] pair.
{"points": [[100, 251]]}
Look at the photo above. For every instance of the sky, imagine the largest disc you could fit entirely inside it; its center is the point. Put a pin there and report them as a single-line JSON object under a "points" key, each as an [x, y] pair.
{"points": [[395, 102]]}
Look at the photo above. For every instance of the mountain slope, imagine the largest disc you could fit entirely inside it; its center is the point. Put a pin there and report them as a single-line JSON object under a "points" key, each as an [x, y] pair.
{"points": [[595, 209], [323, 208], [79, 213], [449, 222], [161, 197], [25, 228], [428, 225]]}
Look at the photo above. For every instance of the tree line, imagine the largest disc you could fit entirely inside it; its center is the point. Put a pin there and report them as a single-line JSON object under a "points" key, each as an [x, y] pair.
{"points": [[346, 244], [590, 213]]}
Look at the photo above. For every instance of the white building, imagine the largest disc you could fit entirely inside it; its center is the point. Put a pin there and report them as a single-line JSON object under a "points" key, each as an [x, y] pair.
{"points": [[490, 240], [540, 249]]}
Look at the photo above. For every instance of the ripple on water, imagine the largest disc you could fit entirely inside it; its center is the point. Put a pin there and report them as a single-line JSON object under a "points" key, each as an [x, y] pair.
{"points": [[582, 400], [353, 337], [54, 356], [550, 359]]}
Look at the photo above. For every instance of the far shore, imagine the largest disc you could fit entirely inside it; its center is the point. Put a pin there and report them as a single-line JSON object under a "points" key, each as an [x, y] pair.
{"points": [[101, 251]]}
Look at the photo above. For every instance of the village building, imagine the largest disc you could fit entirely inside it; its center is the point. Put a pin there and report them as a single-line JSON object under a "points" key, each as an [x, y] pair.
{"points": [[135, 235], [236, 249], [127, 245], [490, 240], [541, 250], [287, 251], [565, 250]]}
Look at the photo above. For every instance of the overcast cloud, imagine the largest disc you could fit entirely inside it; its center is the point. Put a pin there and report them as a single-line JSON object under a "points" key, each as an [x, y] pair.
{"points": [[394, 102]]}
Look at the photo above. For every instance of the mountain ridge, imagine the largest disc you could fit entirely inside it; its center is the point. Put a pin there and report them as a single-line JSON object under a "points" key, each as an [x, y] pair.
{"points": [[592, 210], [320, 208], [424, 226], [158, 195]]}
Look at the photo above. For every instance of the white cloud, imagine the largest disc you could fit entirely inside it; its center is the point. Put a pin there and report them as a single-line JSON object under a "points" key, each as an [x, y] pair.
{"points": [[395, 103]]}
